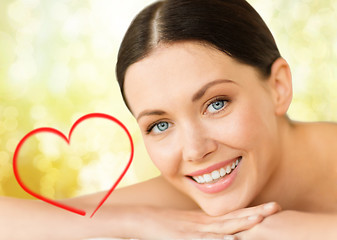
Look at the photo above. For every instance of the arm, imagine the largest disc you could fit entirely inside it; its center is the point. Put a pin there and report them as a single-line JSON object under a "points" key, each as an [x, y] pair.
{"points": [[134, 212], [156, 192], [294, 225], [30, 219], [118, 217]]}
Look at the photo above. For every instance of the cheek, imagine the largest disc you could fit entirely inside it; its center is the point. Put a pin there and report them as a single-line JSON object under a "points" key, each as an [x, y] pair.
{"points": [[247, 128], [253, 131], [239, 130], [164, 156]]}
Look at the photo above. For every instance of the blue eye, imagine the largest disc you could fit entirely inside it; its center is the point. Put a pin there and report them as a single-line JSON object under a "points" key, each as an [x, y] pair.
{"points": [[159, 127], [216, 105]]}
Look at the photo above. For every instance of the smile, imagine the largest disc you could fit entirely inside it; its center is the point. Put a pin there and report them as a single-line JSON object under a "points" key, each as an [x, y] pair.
{"points": [[216, 178], [217, 174]]}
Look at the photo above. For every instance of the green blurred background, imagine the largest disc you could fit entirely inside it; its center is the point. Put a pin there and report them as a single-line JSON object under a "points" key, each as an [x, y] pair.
{"points": [[57, 62]]}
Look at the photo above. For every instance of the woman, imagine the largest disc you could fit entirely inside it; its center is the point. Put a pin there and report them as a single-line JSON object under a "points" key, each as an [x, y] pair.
{"points": [[210, 92]]}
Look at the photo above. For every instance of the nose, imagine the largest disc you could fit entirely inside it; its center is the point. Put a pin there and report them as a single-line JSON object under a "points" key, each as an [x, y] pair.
{"points": [[196, 142]]}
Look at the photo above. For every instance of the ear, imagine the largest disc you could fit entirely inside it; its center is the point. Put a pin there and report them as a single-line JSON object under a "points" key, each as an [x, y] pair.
{"points": [[281, 85]]}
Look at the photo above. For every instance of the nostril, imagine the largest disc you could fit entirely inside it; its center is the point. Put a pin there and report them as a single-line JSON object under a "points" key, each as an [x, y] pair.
{"points": [[198, 151]]}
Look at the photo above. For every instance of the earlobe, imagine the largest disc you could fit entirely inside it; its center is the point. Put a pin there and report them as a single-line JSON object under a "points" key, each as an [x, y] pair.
{"points": [[281, 84]]}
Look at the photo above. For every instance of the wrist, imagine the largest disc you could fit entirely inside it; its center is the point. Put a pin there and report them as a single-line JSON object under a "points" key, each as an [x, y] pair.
{"points": [[115, 221]]}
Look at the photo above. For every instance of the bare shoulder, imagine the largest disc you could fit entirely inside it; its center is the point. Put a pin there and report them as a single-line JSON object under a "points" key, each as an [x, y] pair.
{"points": [[322, 134], [156, 192], [319, 141], [327, 132], [328, 127]]}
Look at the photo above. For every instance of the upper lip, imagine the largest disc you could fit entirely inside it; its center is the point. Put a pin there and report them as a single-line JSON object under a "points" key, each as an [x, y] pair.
{"points": [[212, 168]]}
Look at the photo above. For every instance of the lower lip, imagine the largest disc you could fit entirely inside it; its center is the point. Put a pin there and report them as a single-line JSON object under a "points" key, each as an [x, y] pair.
{"points": [[218, 186]]}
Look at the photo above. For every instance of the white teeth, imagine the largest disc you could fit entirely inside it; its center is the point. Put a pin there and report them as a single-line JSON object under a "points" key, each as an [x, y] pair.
{"points": [[208, 178], [201, 179], [215, 174], [222, 172]]}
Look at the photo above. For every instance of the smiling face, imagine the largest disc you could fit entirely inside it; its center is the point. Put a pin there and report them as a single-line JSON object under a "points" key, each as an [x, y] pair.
{"points": [[208, 123]]}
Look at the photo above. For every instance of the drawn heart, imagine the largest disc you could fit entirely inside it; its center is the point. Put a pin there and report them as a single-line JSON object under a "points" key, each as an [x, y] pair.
{"points": [[67, 139]]}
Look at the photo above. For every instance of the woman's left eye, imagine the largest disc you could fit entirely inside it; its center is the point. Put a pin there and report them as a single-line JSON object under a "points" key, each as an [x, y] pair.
{"points": [[216, 105]]}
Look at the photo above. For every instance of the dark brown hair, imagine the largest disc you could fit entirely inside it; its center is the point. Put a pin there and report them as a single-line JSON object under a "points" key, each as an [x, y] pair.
{"points": [[231, 26]]}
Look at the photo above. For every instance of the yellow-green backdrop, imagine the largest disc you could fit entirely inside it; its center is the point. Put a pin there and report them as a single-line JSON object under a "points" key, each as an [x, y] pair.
{"points": [[57, 63]]}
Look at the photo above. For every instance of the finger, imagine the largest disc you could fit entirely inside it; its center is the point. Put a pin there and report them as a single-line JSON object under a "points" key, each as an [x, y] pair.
{"points": [[193, 232], [231, 226], [211, 236], [264, 210], [230, 237]]}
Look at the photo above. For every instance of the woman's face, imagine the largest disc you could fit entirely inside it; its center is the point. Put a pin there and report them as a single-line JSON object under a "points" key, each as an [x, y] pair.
{"points": [[208, 123]]}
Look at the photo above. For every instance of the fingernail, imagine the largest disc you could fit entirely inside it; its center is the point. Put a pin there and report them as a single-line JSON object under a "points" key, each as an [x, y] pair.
{"points": [[253, 218], [228, 237], [269, 206]]}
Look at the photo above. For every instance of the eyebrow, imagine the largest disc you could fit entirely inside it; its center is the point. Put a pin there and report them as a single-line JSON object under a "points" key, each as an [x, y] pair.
{"points": [[150, 112], [201, 92]]}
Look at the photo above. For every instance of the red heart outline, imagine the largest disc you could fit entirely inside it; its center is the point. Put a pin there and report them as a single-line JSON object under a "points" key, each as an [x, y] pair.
{"points": [[60, 134]]}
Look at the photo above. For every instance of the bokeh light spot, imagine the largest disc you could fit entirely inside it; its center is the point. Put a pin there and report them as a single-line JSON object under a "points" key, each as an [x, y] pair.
{"points": [[4, 158], [38, 112], [10, 124]]}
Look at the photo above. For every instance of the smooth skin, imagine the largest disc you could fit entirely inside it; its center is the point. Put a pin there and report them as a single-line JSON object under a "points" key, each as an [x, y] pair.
{"points": [[177, 90], [290, 162]]}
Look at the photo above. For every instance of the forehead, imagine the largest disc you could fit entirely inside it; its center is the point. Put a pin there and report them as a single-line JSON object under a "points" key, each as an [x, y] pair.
{"points": [[177, 70]]}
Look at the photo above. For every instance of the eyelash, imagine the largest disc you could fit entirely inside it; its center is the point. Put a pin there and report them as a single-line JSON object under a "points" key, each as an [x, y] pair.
{"points": [[221, 98], [152, 125]]}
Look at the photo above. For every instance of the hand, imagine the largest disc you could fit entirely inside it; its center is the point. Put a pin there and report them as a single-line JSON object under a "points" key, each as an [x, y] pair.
{"points": [[290, 224], [160, 223]]}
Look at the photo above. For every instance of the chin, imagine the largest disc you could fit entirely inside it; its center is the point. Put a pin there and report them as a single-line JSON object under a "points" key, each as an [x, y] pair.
{"points": [[218, 211], [223, 204], [218, 207], [215, 212]]}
